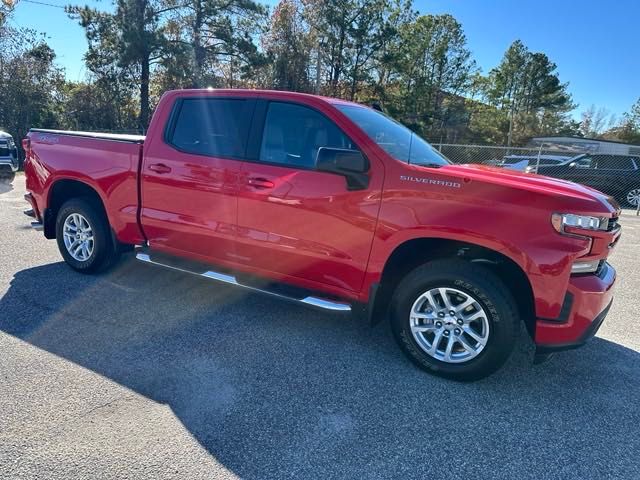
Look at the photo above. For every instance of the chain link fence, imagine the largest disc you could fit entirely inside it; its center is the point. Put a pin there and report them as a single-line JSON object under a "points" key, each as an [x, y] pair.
{"points": [[614, 174]]}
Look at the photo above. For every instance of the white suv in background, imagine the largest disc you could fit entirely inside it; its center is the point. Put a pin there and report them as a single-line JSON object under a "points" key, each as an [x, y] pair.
{"points": [[8, 155]]}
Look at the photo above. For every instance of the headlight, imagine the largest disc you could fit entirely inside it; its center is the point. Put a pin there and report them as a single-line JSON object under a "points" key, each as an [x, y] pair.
{"points": [[584, 222], [530, 169]]}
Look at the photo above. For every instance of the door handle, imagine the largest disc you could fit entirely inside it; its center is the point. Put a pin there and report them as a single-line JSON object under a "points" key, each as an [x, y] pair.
{"points": [[159, 168], [261, 183]]}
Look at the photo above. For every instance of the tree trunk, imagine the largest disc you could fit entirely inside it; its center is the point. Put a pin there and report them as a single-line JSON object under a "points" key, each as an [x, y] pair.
{"points": [[143, 122], [338, 65], [355, 73], [199, 53], [145, 67]]}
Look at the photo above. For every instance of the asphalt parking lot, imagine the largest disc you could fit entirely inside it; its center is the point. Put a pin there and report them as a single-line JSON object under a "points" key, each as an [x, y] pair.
{"points": [[146, 373]]}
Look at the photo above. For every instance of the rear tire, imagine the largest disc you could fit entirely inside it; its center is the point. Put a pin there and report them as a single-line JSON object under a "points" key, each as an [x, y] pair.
{"points": [[84, 237], [471, 341]]}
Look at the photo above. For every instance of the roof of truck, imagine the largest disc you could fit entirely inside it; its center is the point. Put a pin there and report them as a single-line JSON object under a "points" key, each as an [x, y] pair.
{"points": [[258, 92]]}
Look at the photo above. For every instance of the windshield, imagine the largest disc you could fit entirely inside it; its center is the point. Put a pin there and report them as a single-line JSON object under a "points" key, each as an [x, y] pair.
{"points": [[396, 139]]}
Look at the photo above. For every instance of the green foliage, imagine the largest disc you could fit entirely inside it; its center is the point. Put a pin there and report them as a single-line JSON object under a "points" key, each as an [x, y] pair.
{"points": [[215, 39], [629, 129], [31, 86], [91, 107], [154, 45], [527, 91], [288, 46], [352, 41], [433, 67], [418, 67], [124, 45]]}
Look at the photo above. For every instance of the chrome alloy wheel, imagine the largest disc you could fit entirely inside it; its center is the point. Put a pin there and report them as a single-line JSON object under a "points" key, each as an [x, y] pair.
{"points": [[78, 237], [449, 325], [633, 197]]}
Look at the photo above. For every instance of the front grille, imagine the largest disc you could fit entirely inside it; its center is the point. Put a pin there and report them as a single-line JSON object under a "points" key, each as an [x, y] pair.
{"points": [[4, 152]]}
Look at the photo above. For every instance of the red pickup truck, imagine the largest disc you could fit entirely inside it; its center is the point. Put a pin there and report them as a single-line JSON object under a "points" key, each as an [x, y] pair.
{"points": [[335, 205]]}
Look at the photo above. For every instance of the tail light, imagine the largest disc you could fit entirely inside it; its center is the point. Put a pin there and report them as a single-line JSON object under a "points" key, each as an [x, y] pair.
{"points": [[26, 148]]}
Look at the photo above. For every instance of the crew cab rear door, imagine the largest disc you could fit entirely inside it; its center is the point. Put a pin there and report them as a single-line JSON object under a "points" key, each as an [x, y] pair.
{"points": [[294, 220], [190, 174]]}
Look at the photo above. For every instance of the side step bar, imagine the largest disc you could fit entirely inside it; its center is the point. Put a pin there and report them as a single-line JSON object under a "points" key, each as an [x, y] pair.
{"points": [[317, 302]]}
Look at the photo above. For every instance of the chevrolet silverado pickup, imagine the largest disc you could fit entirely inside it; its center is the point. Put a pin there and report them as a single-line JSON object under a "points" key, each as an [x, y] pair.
{"points": [[336, 206]]}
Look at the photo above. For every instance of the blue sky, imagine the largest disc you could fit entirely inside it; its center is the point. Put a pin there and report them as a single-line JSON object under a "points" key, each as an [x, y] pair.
{"points": [[595, 44]]}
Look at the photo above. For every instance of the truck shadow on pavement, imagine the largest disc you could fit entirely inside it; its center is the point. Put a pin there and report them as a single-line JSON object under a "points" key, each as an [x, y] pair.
{"points": [[273, 390]]}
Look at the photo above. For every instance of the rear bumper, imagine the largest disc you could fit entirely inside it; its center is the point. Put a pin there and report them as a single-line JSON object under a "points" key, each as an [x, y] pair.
{"points": [[590, 300]]}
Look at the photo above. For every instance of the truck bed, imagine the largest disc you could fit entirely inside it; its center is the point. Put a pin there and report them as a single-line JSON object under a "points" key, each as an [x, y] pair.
{"points": [[106, 162]]}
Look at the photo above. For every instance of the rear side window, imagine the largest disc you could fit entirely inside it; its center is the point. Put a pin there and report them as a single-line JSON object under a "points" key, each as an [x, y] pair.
{"points": [[294, 133], [212, 126]]}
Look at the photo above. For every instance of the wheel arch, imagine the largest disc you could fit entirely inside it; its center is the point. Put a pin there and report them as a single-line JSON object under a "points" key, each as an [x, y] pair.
{"points": [[417, 251], [65, 189]]}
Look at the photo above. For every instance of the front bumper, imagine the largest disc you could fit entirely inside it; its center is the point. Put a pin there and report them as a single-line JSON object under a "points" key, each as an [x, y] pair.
{"points": [[590, 299]]}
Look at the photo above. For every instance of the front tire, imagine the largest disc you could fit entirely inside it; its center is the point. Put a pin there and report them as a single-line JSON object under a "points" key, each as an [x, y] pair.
{"points": [[455, 319], [83, 236]]}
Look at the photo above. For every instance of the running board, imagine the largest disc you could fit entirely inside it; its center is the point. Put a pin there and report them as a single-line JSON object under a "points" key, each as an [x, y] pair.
{"points": [[321, 303]]}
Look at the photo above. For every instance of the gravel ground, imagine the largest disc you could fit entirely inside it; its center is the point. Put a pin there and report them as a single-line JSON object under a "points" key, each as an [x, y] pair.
{"points": [[145, 373]]}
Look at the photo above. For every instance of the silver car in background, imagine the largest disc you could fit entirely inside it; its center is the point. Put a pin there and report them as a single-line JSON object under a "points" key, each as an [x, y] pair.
{"points": [[8, 155]]}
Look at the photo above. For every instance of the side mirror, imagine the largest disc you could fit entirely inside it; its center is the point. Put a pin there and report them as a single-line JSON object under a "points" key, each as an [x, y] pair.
{"points": [[573, 165], [351, 164]]}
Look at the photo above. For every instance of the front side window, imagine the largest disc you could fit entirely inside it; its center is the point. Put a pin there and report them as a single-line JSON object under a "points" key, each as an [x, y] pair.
{"points": [[212, 126], [293, 134], [394, 138]]}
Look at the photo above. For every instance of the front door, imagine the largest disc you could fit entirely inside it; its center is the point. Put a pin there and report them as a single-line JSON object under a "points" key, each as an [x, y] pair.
{"points": [[190, 178], [296, 221]]}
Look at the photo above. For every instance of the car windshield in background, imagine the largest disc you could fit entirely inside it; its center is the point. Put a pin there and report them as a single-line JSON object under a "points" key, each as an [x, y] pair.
{"points": [[396, 139]]}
